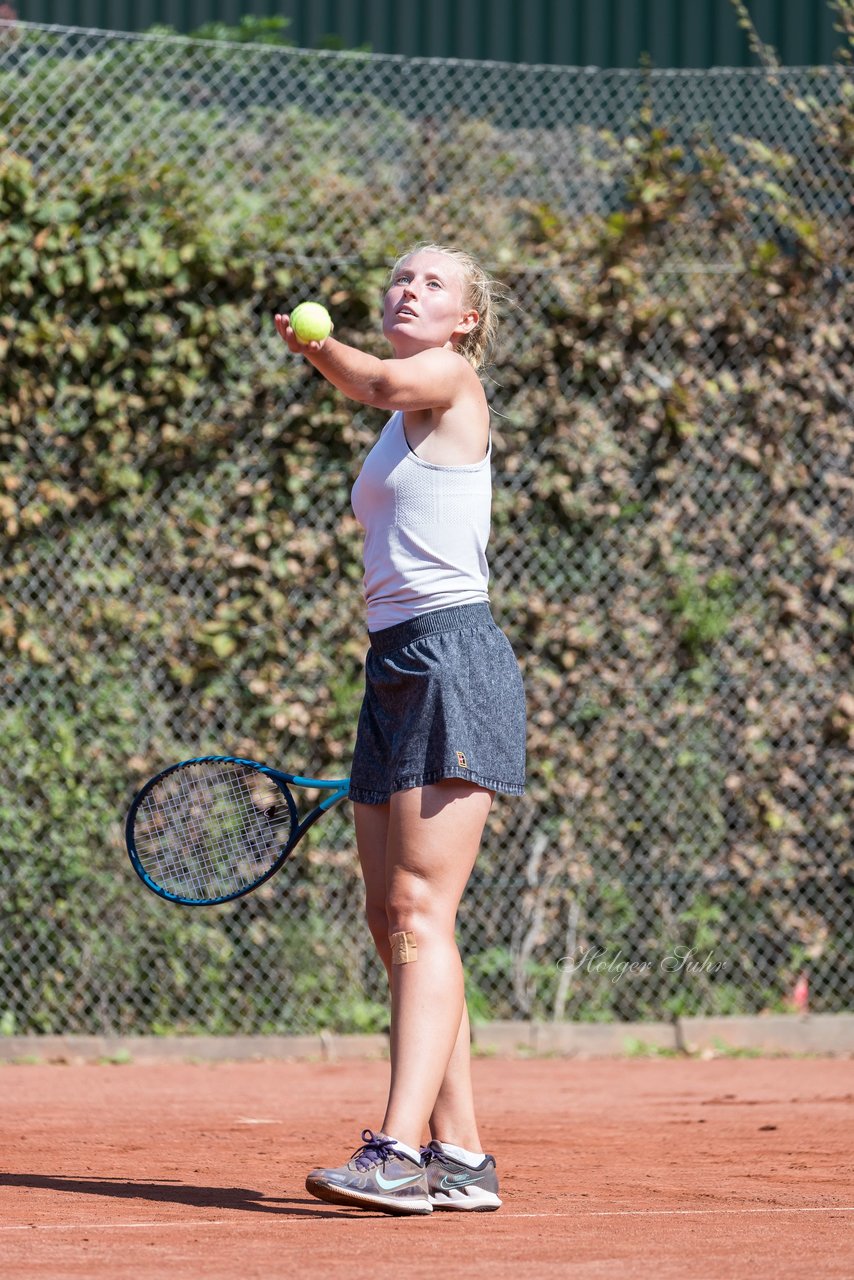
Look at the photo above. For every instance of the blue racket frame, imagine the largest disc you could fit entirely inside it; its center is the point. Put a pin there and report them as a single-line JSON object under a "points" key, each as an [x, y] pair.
{"points": [[339, 788]]}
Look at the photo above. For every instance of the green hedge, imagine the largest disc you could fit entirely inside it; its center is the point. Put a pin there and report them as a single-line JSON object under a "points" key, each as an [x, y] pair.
{"points": [[145, 401]]}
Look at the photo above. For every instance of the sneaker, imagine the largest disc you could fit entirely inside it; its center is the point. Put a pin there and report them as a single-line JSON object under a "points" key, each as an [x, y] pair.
{"points": [[378, 1176], [454, 1185]]}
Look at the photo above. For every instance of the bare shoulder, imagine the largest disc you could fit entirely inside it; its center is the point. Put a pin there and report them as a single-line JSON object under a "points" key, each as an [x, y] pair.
{"points": [[455, 433], [433, 380], [442, 368]]}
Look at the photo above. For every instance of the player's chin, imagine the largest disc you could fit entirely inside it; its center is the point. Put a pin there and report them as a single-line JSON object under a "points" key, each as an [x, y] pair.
{"points": [[404, 341], [397, 325]]}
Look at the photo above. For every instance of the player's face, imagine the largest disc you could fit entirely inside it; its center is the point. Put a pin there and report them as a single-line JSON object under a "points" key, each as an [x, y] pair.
{"points": [[424, 305]]}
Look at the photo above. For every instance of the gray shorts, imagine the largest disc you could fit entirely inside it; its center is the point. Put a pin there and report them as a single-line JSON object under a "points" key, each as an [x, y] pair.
{"points": [[443, 699]]}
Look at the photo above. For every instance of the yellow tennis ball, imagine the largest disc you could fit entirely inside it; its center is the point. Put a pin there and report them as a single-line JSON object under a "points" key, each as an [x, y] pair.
{"points": [[311, 322]]}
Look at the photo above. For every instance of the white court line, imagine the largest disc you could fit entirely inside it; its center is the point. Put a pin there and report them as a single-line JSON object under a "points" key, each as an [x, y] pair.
{"points": [[581, 1213], [116, 1226], [670, 1213]]}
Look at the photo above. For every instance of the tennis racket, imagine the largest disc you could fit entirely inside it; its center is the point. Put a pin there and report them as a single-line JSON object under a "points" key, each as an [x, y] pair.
{"points": [[212, 829]]}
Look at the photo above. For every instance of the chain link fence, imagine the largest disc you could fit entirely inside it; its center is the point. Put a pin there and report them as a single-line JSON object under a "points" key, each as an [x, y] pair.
{"points": [[671, 553]]}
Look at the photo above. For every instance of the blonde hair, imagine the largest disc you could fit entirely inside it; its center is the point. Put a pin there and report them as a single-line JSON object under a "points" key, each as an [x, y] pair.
{"points": [[480, 292]]}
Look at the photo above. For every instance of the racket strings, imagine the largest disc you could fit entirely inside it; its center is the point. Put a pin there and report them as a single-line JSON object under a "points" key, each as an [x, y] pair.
{"points": [[210, 829]]}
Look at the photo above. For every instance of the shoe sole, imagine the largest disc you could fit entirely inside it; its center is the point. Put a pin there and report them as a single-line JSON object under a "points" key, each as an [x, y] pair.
{"points": [[474, 1201], [361, 1199]]}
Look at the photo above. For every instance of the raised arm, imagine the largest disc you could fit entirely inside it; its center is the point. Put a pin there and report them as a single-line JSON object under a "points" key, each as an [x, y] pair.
{"points": [[432, 379]]}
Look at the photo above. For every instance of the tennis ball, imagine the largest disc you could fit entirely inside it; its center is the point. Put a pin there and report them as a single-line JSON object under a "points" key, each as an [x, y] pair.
{"points": [[311, 322]]}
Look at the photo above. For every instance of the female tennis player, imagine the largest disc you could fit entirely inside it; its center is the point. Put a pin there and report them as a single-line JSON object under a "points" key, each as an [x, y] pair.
{"points": [[442, 724]]}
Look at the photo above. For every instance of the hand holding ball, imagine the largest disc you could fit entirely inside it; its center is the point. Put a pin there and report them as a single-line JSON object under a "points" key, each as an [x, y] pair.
{"points": [[311, 322]]}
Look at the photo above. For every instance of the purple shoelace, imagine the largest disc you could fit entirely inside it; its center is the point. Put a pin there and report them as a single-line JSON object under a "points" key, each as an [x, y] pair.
{"points": [[377, 1148]]}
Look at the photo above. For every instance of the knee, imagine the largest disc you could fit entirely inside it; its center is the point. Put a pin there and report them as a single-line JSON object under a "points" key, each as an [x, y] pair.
{"points": [[378, 924], [377, 919], [410, 907]]}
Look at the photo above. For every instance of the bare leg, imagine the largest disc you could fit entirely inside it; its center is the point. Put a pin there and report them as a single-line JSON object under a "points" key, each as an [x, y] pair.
{"points": [[371, 839], [453, 1115], [433, 841], [453, 1119]]}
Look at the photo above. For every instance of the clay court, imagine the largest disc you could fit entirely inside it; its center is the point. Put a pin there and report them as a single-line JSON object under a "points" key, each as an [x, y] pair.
{"points": [[634, 1167]]}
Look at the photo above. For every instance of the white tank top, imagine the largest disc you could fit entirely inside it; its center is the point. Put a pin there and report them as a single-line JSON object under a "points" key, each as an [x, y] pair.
{"points": [[426, 529]]}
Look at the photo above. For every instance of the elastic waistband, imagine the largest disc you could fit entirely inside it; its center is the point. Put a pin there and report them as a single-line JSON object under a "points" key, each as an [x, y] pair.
{"points": [[430, 624]]}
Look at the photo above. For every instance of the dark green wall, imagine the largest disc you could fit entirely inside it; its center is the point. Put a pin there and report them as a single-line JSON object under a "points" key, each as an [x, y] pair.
{"points": [[604, 33]]}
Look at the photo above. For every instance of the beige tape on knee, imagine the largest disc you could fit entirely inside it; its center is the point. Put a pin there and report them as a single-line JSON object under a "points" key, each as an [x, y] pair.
{"points": [[404, 948]]}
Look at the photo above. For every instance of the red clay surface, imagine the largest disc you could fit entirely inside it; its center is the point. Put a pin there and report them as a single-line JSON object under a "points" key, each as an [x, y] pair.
{"points": [[652, 1168]]}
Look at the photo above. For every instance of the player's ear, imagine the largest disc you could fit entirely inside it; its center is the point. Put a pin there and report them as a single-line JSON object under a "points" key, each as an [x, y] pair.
{"points": [[469, 321]]}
